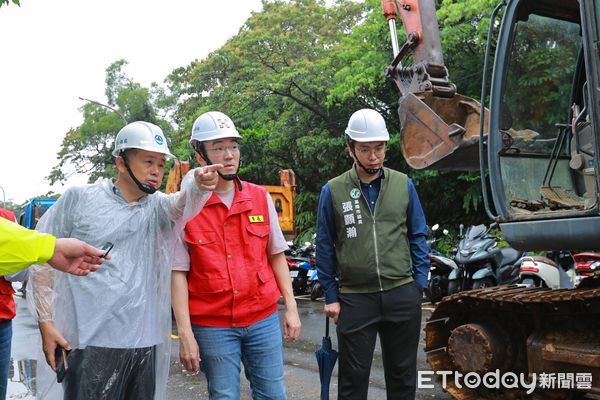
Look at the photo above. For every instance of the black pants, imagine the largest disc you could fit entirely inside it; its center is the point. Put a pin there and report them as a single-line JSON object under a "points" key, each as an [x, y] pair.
{"points": [[99, 373], [396, 316]]}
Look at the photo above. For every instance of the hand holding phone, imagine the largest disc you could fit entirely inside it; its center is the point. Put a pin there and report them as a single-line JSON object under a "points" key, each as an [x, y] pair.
{"points": [[60, 359], [107, 248]]}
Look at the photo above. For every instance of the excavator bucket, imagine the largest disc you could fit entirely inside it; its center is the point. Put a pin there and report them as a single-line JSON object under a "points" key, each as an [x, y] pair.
{"points": [[440, 133]]}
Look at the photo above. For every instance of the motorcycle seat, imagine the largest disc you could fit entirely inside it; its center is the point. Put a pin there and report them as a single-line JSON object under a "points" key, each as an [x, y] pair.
{"points": [[545, 260]]}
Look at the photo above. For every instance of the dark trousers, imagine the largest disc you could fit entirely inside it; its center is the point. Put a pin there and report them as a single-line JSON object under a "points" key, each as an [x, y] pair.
{"points": [[99, 373], [396, 316]]}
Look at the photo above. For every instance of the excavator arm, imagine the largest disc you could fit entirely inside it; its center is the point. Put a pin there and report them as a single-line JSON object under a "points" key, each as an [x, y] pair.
{"points": [[428, 73], [439, 128]]}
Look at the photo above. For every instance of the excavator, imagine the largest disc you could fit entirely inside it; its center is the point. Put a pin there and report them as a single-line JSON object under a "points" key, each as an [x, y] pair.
{"points": [[534, 138]]}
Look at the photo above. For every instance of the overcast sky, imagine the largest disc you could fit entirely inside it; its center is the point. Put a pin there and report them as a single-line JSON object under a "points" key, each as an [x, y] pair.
{"points": [[54, 51]]}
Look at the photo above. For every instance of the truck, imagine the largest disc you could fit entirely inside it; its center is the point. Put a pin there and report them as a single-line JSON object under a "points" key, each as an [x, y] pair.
{"points": [[28, 216], [536, 146], [30, 213]]}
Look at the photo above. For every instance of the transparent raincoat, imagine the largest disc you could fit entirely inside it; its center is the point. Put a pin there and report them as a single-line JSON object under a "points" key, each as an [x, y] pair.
{"points": [[125, 304]]}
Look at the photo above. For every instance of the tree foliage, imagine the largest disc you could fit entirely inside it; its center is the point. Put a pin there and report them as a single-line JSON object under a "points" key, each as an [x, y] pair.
{"points": [[539, 88], [87, 148], [9, 205], [290, 79], [7, 2], [274, 79]]}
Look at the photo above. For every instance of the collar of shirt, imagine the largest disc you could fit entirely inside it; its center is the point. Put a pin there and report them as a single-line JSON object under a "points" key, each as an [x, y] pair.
{"points": [[117, 192], [371, 190]]}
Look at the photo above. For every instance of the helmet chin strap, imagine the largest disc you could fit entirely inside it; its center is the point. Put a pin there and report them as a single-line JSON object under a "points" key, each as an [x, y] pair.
{"points": [[142, 186], [228, 177], [369, 171]]}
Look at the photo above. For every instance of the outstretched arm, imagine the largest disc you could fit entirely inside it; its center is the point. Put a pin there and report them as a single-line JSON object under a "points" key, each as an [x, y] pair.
{"points": [[76, 257], [196, 187], [21, 247]]}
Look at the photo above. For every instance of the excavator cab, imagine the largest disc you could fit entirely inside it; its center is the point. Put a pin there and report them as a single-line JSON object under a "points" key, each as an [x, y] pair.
{"points": [[539, 135], [543, 124], [539, 146]]}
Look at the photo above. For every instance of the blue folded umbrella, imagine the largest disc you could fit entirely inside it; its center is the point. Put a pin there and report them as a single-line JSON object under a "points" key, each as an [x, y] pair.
{"points": [[326, 358]]}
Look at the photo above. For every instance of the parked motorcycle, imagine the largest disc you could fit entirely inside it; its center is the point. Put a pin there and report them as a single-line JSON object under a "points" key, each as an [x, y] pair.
{"points": [[439, 270], [481, 262], [315, 287], [585, 265], [544, 272], [300, 260]]}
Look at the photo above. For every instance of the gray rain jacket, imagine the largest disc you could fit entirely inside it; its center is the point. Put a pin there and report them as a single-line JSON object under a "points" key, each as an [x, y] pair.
{"points": [[126, 302]]}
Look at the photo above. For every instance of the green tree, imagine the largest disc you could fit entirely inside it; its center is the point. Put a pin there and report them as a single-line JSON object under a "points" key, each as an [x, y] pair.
{"points": [[87, 148], [273, 79], [290, 79], [448, 198], [295, 73], [463, 32], [7, 2], [9, 205], [538, 88]]}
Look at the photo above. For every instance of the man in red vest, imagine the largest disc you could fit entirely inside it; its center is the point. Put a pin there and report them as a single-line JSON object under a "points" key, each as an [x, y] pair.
{"points": [[229, 274]]}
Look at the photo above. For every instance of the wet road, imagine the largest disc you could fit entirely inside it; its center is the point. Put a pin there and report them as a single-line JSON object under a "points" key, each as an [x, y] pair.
{"points": [[301, 372]]}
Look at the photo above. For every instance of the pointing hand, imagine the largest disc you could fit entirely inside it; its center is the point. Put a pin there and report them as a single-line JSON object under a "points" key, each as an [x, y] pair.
{"points": [[207, 177]]}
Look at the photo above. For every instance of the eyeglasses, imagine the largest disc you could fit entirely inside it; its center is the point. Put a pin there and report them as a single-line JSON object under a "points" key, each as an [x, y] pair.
{"points": [[366, 152], [220, 150]]}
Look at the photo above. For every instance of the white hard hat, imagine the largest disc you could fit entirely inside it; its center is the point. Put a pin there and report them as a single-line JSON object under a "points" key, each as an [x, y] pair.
{"points": [[213, 125], [144, 136], [367, 125]]}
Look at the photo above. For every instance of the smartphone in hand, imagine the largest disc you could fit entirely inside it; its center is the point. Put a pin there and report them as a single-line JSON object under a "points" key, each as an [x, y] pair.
{"points": [[106, 249], [60, 358]]}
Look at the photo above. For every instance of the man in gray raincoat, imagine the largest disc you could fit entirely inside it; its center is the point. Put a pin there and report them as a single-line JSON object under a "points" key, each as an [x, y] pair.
{"points": [[115, 325]]}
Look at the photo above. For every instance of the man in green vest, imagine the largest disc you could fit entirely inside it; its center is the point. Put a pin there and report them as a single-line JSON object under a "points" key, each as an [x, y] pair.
{"points": [[372, 259]]}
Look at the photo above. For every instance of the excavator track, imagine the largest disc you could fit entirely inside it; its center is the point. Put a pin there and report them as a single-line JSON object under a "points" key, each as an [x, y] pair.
{"points": [[516, 330]]}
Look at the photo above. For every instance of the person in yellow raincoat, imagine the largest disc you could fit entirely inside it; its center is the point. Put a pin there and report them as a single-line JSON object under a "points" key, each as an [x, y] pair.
{"points": [[21, 247]]}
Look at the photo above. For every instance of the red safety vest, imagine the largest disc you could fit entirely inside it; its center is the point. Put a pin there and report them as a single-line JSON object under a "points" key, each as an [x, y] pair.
{"points": [[7, 303], [7, 214], [231, 281]]}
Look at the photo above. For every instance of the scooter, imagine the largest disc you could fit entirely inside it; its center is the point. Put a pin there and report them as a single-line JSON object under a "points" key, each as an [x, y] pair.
{"points": [[481, 262], [542, 272], [585, 265], [299, 273], [315, 287], [440, 269], [300, 261]]}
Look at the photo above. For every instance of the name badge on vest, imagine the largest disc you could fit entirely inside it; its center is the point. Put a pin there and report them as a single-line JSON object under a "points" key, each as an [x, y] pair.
{"points": [[256, 218], [352, 214]]}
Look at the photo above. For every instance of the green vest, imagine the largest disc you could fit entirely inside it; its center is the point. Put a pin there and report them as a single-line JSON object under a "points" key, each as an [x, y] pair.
{"points": [[373, 252]]}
